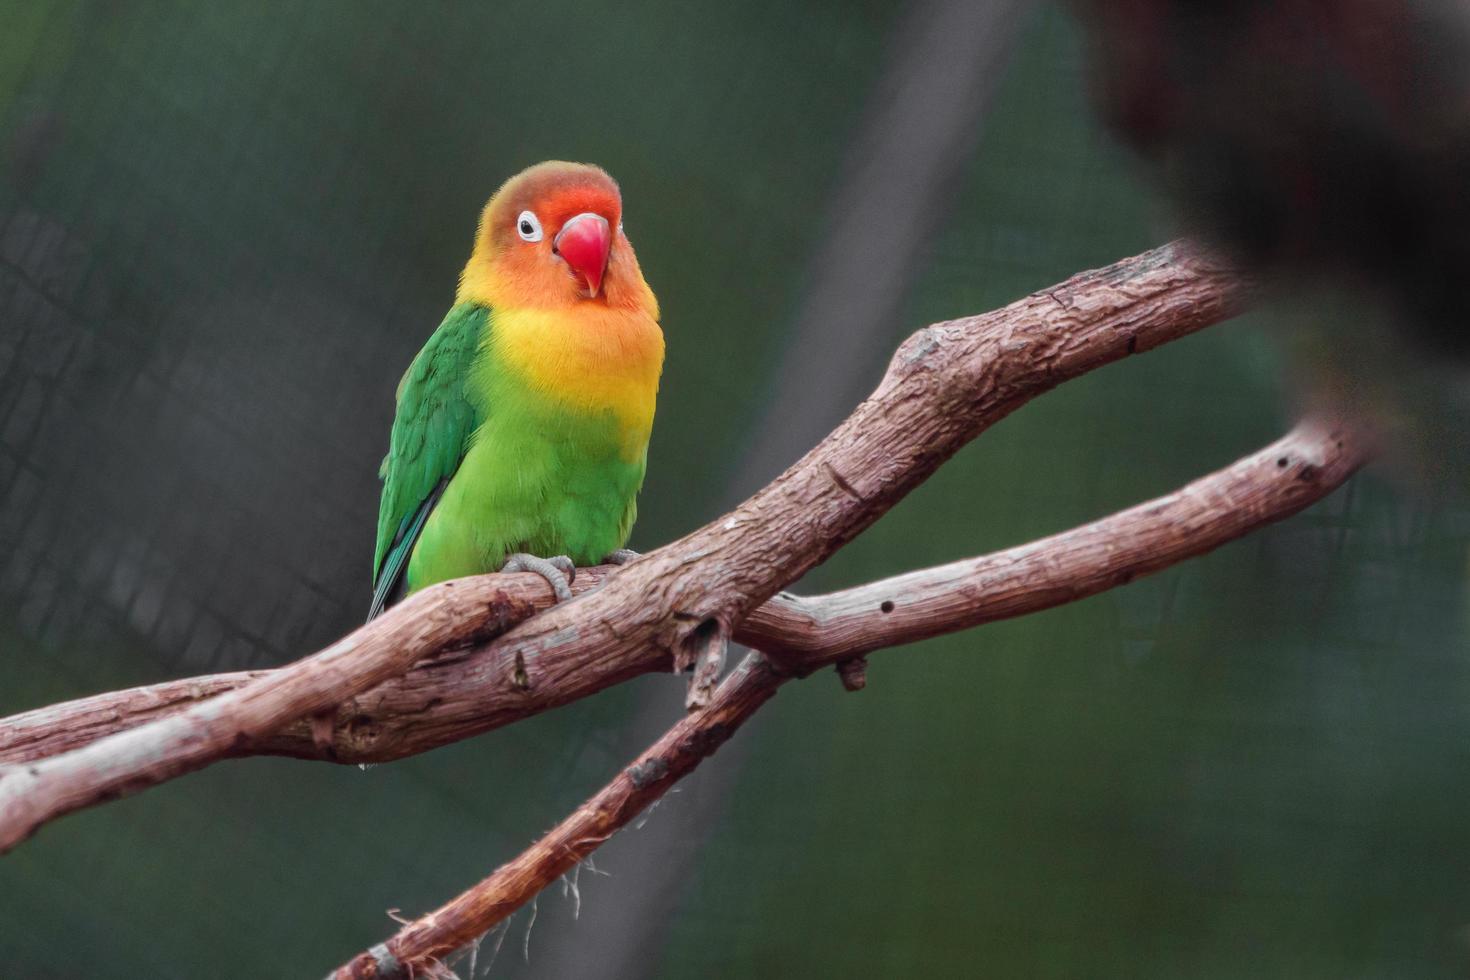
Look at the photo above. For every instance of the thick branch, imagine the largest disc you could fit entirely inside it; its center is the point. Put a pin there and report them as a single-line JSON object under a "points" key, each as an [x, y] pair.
{"points": [[436, 702], [1278, 481], [419, 694], [444, 617], [946, 384]]}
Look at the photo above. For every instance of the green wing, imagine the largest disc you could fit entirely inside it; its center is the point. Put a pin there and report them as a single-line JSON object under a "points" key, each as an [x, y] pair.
{"points": [[431, 431]]}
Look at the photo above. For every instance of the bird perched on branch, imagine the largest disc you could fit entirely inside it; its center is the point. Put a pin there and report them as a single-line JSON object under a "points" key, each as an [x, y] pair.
{"points": [[521, 434]]}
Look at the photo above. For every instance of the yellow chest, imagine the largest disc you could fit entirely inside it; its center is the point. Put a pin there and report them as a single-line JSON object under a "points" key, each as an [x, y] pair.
{"points": [[591, 360]]}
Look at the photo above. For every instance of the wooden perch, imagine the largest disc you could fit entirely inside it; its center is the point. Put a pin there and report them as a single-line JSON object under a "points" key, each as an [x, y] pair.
{"points": [[435, 703], [945, 385], [1297, 470]]}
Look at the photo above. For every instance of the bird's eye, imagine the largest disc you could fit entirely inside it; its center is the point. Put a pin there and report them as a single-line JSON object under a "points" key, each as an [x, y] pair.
{"points": [[529, 227]]}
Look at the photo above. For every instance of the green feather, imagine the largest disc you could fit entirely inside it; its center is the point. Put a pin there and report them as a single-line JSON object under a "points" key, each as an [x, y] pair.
{"points": [[431, 429], [481, 466]]}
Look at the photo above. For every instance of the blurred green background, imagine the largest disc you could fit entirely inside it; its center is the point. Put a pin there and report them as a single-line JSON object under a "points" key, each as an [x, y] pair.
{"points": [[226, 228]]}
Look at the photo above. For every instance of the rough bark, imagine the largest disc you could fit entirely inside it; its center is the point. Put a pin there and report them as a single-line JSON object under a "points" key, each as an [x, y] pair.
{"points": [[1280, 480], [444, 617], [944, 386], [439, 701]]}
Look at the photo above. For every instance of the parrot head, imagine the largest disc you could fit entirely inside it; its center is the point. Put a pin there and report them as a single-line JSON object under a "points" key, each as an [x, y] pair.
{"points": [[552, 237]]}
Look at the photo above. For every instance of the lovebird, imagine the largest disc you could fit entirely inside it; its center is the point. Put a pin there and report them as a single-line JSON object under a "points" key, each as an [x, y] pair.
{"points": [[521, 434]]}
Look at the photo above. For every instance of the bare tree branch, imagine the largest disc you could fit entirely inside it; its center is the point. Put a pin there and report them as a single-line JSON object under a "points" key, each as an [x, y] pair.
{"points": [[802, 633], [944, 386], [1295, 471], [444, 617], [422, 693], [1280, 480], [673, 756]]}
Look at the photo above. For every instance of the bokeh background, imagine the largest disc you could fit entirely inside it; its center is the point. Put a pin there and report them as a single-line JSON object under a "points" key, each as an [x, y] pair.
{"points": [[226, 228]]}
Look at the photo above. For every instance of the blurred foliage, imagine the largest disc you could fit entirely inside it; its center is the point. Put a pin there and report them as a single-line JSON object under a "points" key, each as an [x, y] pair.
{"points": [[226, 229]]}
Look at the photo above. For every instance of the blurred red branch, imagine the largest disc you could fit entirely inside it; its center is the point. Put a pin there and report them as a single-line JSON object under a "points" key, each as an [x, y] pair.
{"points": [[1297, 470], [944, 386]]}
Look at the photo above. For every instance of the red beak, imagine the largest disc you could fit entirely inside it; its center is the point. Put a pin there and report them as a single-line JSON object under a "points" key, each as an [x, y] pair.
{"points": [[583, 243]]}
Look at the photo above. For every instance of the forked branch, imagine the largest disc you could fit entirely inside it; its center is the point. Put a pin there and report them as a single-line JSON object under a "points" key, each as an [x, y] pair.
{"points": [[1292, 473], [946, 384]]}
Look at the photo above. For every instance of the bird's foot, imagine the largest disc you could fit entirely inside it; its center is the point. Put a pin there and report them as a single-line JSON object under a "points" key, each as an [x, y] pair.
{"points": [[558, 570], [621, 557]]}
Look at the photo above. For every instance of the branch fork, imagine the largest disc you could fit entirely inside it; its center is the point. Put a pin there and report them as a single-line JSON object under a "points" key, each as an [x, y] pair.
{"points": [[464, 657]]}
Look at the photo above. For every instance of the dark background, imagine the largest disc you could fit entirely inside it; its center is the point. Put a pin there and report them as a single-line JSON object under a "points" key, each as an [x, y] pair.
{"points": [[226, 228]]}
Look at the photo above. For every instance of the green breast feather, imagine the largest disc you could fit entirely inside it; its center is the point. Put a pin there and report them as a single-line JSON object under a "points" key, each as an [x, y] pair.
{"points": [[481, 466]]}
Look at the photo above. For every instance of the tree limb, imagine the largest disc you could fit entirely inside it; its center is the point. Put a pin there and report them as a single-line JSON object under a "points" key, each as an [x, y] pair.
{"points": [[944, 386], [435, 702], [1276, 482], [444, 617], [1290, 474]]}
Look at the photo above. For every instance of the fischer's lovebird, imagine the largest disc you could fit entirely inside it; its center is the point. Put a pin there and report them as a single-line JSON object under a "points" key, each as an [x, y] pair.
{"points": [[521, 434]]}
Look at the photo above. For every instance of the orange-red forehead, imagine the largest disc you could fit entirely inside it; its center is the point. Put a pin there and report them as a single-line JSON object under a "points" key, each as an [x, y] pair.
{"points": [[555, 192], [559, 204]]}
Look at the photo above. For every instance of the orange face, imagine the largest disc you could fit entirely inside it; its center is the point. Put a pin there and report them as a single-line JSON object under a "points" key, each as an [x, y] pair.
{"points": [[552, 237]]}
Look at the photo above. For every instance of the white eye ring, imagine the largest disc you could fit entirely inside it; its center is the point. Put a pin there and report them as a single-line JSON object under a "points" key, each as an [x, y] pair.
{"points": [[529, 226]]}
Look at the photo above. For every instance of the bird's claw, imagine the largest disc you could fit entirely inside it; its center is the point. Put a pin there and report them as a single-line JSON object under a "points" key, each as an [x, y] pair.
{"points": [[558, 571], [621, 557], [564, 564]]}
